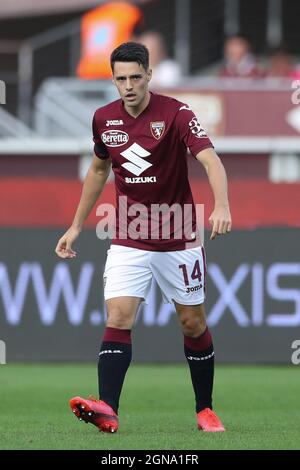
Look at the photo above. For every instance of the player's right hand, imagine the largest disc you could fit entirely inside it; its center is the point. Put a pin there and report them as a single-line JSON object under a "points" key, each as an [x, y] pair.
{"points": [[64, 246]]}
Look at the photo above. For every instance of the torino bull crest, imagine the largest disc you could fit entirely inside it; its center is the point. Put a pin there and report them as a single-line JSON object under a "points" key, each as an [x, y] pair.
{"points": [[157, 129]]}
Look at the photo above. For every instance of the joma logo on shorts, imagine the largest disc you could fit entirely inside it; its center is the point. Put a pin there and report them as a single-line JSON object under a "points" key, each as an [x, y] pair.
{"points": [[193, 289], [141, 179]]}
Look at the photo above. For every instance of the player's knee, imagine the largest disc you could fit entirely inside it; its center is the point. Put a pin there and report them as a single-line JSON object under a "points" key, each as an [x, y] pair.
{"points": [[193, 326], [116, 318]]}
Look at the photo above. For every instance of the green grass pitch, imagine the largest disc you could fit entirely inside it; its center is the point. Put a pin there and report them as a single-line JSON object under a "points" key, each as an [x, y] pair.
{"points": [[259, 406]]}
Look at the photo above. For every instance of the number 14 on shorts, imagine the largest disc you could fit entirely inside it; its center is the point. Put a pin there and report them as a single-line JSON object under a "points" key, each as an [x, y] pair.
{"points": [[194, 275]]}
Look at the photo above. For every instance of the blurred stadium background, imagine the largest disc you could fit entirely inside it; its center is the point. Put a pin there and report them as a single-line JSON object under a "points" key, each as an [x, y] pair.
{"points": [[52, 310]]}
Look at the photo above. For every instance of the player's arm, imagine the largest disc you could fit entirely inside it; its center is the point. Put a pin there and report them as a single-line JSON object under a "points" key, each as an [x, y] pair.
{"points": [[92, 187], [220, 218]]}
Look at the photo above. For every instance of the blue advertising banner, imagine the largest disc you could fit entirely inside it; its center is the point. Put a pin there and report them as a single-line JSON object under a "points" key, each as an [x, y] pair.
{"points": [[53, 310]]}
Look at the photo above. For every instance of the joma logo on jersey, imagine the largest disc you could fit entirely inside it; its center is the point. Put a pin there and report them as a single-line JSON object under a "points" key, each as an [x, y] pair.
{"points": [[114, 138], [157, 129], [114, 122]]}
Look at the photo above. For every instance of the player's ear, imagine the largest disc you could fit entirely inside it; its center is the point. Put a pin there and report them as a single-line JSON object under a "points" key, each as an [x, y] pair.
{"points": [[149, 75]]}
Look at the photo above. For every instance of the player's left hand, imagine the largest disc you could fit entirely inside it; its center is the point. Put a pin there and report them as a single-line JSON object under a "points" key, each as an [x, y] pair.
{"points": [[220, 220]]}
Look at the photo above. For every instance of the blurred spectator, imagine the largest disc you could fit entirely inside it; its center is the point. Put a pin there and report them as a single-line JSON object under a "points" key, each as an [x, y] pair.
{"points": [[166, 72], [103, 29], [280, 64], [239, 61]]}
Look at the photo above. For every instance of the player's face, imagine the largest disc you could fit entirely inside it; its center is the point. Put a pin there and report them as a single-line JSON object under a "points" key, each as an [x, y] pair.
{"points": [[131, 80]]}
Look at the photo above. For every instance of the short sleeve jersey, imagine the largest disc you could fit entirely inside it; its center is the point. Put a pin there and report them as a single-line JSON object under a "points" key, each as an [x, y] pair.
{"points": [[149, 161]]}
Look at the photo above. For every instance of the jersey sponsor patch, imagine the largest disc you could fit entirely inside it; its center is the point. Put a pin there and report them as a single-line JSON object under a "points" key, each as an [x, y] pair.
{"points": [[197, 129], [157, 129], [114, 138], [141, 179], [135, 154]]}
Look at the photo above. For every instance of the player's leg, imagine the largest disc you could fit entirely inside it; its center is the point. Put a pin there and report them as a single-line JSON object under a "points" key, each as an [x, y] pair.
{"points": [[199, 353], [127, 280], [182, 281], [114, 360], [116, 350]]}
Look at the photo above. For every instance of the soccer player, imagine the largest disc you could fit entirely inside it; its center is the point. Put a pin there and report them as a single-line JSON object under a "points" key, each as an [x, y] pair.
{"points": [[145, 137]]}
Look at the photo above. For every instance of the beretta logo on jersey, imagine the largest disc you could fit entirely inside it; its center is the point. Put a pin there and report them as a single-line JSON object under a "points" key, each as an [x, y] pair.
{"points": [[157, 129], [114, 138]]}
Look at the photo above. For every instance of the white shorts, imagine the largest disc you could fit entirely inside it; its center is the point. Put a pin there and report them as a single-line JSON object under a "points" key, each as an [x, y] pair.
{"points": [[179, 274]]}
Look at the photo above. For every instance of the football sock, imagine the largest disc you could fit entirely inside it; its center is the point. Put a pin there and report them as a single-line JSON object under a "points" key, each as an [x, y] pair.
{"points": [[199, 353], [114, 360]]}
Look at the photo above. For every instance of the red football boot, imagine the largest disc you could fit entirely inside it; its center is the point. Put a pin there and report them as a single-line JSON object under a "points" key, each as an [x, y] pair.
{"points": [[96, 412], [208, 421]]}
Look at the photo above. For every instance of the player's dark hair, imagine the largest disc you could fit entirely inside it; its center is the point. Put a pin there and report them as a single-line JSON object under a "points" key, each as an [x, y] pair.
{"points": [[130, 52]]}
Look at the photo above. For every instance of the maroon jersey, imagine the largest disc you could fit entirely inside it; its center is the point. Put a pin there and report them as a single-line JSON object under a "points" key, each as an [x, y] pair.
{"points": [[149, 161]]}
